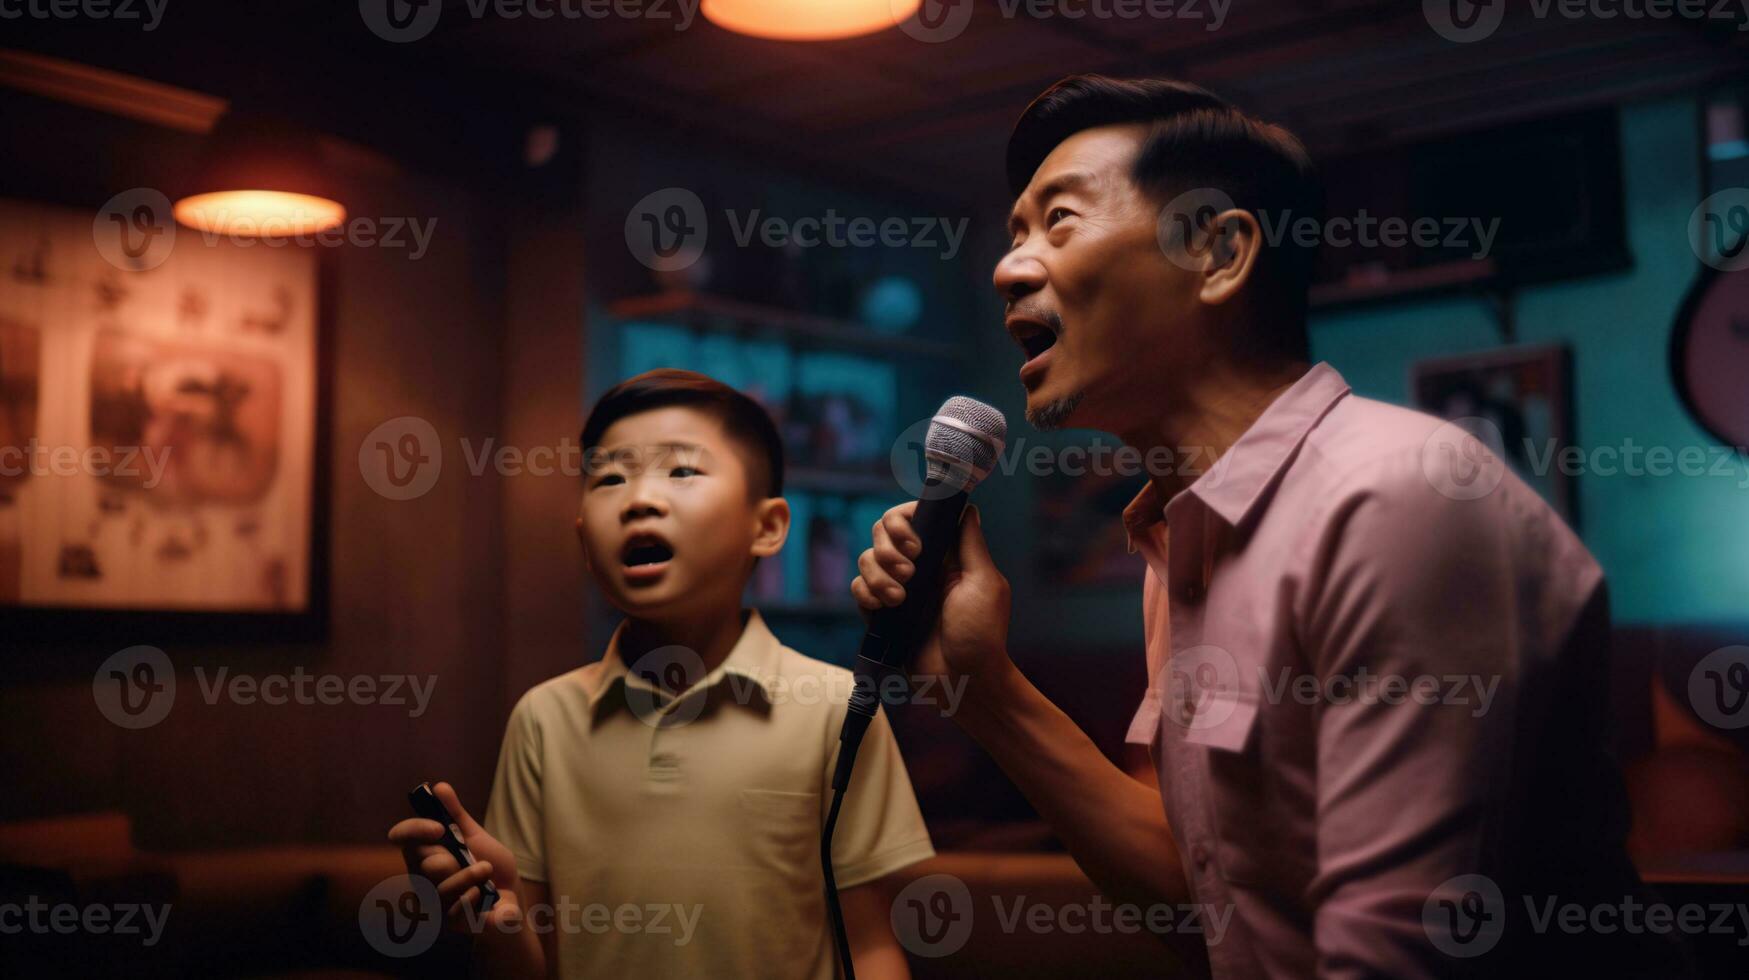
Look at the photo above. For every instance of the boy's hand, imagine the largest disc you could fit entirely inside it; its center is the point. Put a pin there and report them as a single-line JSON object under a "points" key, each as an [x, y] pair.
{"points": [[971, 636], [458, 888]]}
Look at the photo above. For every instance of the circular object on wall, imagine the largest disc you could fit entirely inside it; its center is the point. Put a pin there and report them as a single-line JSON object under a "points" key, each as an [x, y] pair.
{"points": [[892, 305], [1709, 354]]}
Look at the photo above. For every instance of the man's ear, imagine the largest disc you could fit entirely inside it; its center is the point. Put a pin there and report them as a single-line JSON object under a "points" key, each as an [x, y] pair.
{"points": [[588, 566], [1235, 242], [770, 526]]}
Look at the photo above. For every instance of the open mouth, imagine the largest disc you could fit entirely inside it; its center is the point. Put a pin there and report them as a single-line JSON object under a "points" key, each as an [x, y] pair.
{"points": [[645, 550], [1033, 337]]}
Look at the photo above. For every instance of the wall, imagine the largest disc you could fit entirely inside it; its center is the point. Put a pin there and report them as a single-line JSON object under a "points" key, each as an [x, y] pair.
{"points": [[1675, 548], [418, 587]]}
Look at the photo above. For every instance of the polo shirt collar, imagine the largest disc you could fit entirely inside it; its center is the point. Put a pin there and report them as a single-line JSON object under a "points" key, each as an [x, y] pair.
{"points": [[755, 657], [1236, 483]]}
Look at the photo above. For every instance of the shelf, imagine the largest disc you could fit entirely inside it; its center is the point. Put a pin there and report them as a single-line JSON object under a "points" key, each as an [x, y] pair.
{"points": [[1419, 283], [704, 310], [841, 481]]}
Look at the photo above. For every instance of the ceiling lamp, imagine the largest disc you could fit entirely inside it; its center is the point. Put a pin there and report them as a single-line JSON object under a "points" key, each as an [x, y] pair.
{"points": [[807, 20], [259, 177]]}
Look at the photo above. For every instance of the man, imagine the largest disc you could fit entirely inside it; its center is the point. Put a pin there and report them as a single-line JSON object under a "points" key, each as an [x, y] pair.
{"points": [[1375, 658]]}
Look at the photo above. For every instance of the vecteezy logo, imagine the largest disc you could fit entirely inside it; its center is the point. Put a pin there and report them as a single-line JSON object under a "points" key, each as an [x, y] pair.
{"points": [[400, 916], [1186, 229], [1463, 21], [1718, 688], [400, 21], [910, 465], [401, 458], [133, 231], [135, 688], [932, 916], [666, 231], [1718, 230], [1457, 464], [1464, 916], [935, 21], [1201, 685], [666, 672]]}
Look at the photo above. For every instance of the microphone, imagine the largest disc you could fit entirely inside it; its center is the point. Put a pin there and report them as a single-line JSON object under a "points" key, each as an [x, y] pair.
{"points": [[963, 442], [961, 447]]}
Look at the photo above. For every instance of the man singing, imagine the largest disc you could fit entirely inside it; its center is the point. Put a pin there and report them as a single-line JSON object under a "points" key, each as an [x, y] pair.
{"points": [[1376, 659]]}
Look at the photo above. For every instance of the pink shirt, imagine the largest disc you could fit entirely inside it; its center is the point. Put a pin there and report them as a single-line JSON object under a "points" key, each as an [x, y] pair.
{"points": [[1376, 659]]}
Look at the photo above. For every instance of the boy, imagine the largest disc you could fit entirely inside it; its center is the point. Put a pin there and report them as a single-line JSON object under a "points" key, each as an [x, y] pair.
{"points": [[658, 813]]}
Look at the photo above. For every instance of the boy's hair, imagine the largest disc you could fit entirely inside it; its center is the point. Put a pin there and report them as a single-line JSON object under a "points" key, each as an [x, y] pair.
{"points": [[743, 419], [1196, 139]]}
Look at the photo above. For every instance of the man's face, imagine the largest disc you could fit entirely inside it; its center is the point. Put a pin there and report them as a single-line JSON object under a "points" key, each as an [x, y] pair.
{"points": [[1102, 316], [667, 521]]}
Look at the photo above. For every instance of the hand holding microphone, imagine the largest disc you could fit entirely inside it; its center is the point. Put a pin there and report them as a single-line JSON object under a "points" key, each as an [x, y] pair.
{"points": [[970, 636], [915, 619]]}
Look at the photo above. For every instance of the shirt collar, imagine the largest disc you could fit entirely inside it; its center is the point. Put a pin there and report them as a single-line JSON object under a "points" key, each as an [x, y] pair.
{"points": [[755, 657], [1237, 481]]}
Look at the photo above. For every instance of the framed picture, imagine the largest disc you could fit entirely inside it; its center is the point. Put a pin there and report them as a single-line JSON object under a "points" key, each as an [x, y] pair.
{"points": [[1518, 402], [161, 427]]}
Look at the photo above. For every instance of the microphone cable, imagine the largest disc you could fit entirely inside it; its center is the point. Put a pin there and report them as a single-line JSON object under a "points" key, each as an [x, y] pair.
{"points": [[863, 705]]}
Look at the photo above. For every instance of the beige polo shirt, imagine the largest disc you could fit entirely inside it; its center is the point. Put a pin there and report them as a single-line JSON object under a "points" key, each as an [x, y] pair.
{"points": [[680, 837]]}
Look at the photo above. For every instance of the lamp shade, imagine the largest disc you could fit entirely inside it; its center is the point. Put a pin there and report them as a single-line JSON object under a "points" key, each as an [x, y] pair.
{"points": [[807, 20], [259, 176]]}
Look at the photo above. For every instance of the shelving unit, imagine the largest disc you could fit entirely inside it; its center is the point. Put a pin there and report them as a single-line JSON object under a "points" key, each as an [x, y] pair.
{"points": [[839, 481], [1431, 280], [751, 319]]}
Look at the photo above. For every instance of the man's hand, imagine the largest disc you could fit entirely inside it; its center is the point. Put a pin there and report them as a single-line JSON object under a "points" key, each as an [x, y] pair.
{"points": [[1113, 825], [458, 888], [971, 637]]}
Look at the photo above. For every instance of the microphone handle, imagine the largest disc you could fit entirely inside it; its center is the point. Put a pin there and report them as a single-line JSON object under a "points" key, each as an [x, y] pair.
{"points": [[896, 632]]}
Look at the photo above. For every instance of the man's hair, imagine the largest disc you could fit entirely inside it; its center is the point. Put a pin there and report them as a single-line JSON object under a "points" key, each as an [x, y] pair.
{"points": [[1197, 140], [743, 419]]}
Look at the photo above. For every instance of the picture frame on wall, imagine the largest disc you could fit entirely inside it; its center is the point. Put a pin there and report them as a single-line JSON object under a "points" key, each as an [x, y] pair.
{"points": [[163, 434], [1518, 402]]}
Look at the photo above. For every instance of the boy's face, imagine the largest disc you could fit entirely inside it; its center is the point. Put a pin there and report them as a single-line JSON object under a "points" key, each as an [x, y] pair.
{"points": [[668, 521]]}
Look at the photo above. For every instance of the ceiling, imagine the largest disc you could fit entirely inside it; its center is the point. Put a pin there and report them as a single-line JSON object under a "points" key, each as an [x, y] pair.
{"points": [[927, 116]]}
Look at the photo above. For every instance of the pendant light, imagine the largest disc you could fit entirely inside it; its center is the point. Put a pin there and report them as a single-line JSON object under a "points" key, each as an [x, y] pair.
{"points": [[259, 176], [807, 20]]}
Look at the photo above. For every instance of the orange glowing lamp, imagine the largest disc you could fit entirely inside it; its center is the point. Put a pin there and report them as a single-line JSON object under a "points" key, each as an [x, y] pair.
{"points": [[259, 177], [258, 213], [807, 20]]}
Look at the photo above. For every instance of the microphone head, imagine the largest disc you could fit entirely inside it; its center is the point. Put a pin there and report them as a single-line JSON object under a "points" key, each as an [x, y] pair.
{"points": [[964, 440]]}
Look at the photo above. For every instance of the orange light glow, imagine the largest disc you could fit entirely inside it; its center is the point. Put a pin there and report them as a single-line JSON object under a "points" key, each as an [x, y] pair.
{"points": [[808, 20], [259, 214]]}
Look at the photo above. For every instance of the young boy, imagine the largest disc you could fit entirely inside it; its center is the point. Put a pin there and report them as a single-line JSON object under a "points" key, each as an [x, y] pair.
{"points": [[658, 813]]}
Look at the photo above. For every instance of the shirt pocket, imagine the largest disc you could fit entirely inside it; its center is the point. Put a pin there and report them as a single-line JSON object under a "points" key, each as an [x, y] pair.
{"points": [[1242, 810], [783, 827]]}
